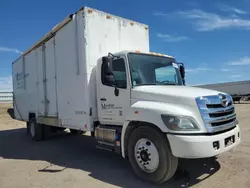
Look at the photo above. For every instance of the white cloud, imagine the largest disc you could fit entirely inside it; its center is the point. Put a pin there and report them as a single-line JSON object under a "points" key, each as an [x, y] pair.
{"points": [[5, 49], [205, 21], [203, 69], [230, 9], [242, 61], [6, 83], [235, 76], [160, 14], [225, 70], [171, 38], [198, 69]]}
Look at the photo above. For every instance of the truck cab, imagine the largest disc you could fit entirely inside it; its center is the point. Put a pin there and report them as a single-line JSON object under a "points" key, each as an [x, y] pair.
{"points": [[120, 75], [138, 90]]}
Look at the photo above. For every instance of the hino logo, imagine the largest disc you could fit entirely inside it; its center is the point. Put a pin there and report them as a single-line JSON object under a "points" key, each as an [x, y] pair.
{"points": [[224, 100]]}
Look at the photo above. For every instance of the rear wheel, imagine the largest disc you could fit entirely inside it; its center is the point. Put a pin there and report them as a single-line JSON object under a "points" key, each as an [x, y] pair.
{"points": [[35, 129], [150, 155]]}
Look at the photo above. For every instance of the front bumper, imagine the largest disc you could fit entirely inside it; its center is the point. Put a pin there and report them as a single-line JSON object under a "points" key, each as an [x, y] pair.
{"points": [[202, 146]]}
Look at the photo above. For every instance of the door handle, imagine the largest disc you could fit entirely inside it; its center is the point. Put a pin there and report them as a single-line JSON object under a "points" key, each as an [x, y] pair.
{"points": [[103, 99]]}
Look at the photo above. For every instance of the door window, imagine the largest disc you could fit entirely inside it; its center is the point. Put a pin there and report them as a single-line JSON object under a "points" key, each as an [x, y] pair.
{"points": [[119, 71]]}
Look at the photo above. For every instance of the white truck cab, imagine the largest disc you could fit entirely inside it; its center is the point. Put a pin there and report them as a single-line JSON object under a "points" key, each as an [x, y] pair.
{"points": [[137, 88], [133, 102]]}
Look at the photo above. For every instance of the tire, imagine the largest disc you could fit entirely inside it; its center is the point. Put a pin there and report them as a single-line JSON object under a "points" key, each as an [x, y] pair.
{"points": [[76, 132], [157, 147], [28, 127], [36, 130]]}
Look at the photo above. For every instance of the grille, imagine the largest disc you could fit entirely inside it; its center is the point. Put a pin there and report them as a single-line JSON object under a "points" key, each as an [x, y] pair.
{"points": [[217, 117], [217, 105], [221, 116], [223, 113], [222, 123]]}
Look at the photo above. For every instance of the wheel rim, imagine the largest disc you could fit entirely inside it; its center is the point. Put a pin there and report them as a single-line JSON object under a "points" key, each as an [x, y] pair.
{"points": [[146, 155], [32, 129]]}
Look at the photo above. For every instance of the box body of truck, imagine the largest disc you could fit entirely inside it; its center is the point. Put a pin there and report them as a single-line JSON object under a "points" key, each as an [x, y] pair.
{"points": [[55, 79]]}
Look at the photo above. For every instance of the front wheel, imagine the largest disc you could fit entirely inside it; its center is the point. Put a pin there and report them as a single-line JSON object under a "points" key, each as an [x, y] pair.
{"points": [[150, 155]]}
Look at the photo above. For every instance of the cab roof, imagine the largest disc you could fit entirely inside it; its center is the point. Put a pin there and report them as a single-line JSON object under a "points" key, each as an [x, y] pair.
{"points": [[149, 53]]}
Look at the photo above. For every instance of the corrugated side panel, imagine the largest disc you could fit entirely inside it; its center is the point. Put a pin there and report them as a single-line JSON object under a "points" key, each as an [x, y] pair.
{"points": [[50, 77], [40, 84], [24, 86], [31, 82], [107, 33], [72, 89]]}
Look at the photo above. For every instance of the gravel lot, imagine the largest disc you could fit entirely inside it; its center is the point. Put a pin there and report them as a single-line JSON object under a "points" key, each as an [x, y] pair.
{"points": [[64, 161]]}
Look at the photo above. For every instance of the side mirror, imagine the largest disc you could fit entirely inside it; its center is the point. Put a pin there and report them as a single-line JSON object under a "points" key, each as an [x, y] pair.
{"points": [[182, 71], [107, 71], [107, 65], [109, 80]]}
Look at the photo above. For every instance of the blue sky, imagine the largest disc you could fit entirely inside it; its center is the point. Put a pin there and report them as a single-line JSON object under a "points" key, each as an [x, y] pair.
{"points": [[211, 37]]}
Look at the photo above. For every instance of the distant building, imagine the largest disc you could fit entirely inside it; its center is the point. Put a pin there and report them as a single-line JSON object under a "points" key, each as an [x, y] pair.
{"points": [[232, 88], [6, 96]]}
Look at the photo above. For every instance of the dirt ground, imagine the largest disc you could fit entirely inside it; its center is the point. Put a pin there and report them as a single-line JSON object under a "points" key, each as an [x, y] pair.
{"points": [[64, 161]]}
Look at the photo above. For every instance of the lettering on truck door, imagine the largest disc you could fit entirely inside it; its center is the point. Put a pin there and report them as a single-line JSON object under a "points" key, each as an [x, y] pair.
{"points": [[115, 100]]}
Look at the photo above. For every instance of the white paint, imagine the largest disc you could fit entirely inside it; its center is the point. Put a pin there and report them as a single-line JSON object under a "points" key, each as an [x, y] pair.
{"points": [[70, 68], [51, 77], [201, 146], [118, 113], [25, 86], [73, 80], [40, 85], [180, 91], [72, 88], [152, 101]]}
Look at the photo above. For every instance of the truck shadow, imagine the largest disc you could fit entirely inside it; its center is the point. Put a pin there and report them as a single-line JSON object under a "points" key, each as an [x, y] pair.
{"points": [[79, 152]]}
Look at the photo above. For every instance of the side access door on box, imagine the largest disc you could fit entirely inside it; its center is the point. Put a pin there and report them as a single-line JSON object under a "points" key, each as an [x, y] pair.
{"points": [[47, 92]]}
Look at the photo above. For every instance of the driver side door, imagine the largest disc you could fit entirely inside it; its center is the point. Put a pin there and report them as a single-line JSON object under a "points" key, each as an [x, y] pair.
{"points": [[114, 100]]}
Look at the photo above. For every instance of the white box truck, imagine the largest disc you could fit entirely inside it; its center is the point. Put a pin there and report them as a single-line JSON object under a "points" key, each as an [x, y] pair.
{"points": [[94, 72]]}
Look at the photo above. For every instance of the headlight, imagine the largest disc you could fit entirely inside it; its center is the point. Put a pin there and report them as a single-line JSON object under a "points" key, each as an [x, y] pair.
{"points": [[176, 123]]}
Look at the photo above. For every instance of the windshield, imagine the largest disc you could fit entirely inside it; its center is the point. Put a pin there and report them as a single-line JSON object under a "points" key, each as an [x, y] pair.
{"points": [[153, 70]]}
